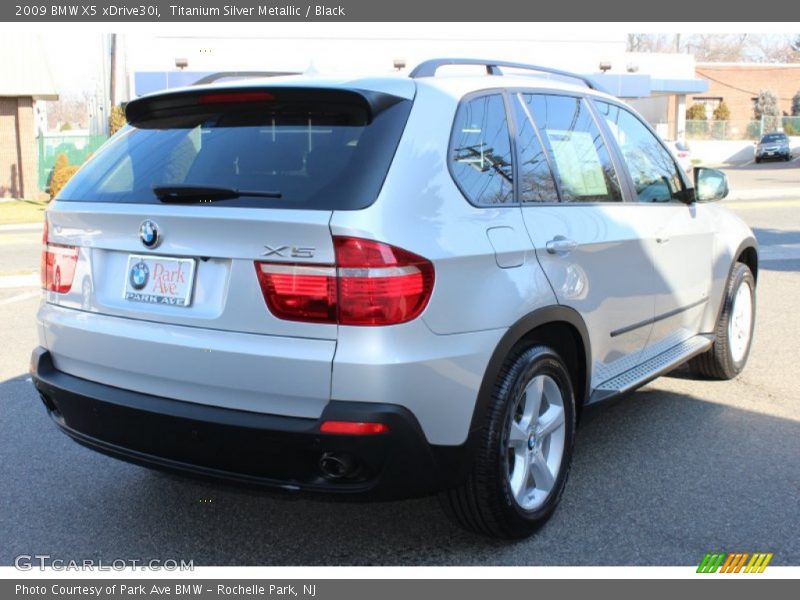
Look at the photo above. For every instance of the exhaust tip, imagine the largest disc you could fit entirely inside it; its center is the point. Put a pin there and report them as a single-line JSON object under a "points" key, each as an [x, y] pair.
{"points": [[336, 466]]}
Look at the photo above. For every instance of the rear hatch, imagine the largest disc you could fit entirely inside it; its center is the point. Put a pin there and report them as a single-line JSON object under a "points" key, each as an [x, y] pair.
{"points": [[171, 218], [222, 178]]}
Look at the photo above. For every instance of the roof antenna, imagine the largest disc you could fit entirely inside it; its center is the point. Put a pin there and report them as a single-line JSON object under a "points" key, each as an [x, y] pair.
{"points": [[311, 70]]}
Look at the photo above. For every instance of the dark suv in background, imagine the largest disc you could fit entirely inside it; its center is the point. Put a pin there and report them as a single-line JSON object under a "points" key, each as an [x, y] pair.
{"points": [[773, 145]]}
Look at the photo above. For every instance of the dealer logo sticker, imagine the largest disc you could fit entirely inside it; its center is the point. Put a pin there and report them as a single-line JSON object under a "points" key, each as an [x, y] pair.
{"points": [[140, 274]]}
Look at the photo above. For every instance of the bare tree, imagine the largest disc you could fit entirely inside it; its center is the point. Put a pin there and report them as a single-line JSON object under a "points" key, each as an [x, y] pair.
{"points": [[713, 47], [777, 48], [73, 109]]}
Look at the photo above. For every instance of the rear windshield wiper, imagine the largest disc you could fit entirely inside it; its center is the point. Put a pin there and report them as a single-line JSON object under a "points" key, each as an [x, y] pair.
{"points": [[203, 193]]}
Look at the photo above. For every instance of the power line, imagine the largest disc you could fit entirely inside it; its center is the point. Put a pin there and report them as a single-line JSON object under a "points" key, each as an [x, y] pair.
{"points": [[733, 87]]}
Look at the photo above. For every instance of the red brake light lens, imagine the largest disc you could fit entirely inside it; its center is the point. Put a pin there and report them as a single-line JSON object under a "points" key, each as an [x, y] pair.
{"points": [[353, 428], [372, 284], [380, 284], [299, 292], [57, 268]]}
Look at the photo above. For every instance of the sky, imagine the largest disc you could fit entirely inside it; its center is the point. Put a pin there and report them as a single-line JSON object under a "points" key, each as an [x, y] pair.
{"points": [[75, 57], [74, 61]]}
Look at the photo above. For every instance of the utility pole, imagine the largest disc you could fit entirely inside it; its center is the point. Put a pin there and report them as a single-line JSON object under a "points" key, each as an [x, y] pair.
{"points": [[113, 83]]}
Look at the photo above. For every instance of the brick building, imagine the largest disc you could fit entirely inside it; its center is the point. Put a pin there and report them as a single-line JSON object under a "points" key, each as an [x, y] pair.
{"points": [[738, 84], [24, 81]]}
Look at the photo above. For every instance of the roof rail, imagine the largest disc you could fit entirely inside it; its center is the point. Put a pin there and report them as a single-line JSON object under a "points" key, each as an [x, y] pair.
{"points": [[428, 68]]}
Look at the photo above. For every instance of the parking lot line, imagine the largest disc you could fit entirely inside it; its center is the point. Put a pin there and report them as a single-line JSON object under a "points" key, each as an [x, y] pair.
{"points": [[19, 297]]}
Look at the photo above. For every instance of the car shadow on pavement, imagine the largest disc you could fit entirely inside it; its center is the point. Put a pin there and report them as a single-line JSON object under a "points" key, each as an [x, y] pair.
{"points": [[779, 249], [658, 478], [776, 237]]}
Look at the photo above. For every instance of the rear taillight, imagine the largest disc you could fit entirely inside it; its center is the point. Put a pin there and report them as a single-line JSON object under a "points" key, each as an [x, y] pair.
{"points": [[57, 269], [371, 284], [380, 284], [299, 292]]}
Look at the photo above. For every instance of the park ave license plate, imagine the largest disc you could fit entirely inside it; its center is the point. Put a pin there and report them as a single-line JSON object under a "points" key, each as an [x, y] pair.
{"points": [[159, 280]]}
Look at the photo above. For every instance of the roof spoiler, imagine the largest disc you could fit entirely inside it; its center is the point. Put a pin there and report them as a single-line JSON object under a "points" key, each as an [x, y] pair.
{"points": [[197, 100]]}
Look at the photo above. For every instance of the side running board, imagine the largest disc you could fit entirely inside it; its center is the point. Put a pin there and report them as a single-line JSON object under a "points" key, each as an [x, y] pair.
{"points": [[651, 368]]}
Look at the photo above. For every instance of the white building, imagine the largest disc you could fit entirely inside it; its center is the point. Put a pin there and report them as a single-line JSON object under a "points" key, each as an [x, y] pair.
{"points": [[656, 83]]}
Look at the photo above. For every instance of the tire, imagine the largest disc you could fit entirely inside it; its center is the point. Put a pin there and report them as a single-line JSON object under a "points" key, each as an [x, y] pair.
{"points": [[486, 502], [758, 160], [728, 356]]}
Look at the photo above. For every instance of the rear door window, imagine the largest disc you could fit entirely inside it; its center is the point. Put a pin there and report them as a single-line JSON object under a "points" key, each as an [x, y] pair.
{"points": [[580, 157], [313, 153]]}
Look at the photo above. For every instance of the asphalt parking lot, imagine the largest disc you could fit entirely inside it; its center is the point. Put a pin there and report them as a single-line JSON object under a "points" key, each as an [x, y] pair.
{"points": [[677, 469]]}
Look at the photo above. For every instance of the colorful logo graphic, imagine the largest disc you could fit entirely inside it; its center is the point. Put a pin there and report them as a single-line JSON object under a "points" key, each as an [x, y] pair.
{"points": [[148, 233], [734, 562], [140, 273]]}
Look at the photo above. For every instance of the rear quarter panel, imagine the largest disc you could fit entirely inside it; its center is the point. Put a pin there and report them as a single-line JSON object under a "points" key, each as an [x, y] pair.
{"points": [[421, 209]]}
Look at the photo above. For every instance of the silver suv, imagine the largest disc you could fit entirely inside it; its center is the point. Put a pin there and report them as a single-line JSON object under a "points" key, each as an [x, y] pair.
{"points": [[393, 286]]}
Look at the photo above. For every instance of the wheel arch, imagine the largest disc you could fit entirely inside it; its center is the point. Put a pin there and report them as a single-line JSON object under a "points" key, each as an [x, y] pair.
{"points": [[558, 326], [748, 254]]}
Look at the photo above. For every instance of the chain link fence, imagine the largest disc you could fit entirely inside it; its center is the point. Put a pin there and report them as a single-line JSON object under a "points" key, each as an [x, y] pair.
{"points": [[741, 130], [77, 148], [791, 125]]}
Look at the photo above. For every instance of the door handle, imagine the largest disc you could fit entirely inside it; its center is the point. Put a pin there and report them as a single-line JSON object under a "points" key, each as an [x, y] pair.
{"points": [[662, 240], [560, 245]]}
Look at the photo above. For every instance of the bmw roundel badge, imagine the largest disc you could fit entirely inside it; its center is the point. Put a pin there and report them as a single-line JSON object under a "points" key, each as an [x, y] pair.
{"points": [[149, 234], [140, 273]]}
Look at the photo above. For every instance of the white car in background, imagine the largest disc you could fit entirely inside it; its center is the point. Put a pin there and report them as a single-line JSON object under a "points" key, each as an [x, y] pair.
{"points": [[682, 153]]}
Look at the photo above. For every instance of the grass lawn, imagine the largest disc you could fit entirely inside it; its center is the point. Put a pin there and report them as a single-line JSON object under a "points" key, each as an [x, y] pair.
{"points": [[22, 211]]}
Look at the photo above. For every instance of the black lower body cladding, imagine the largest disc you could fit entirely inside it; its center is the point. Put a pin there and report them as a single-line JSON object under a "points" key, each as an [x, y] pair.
{"points": [[257, 449]]}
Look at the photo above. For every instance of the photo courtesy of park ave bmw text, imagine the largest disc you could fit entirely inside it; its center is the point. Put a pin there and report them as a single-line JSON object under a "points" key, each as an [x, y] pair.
{"points": [[290, 290]]}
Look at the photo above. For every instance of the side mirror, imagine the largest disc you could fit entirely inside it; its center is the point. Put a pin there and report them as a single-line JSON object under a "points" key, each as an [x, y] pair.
{"points": [[709, 184]]}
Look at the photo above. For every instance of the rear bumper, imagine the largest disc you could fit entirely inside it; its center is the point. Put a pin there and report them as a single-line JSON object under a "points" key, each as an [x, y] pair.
{"points": [[265, 450]]}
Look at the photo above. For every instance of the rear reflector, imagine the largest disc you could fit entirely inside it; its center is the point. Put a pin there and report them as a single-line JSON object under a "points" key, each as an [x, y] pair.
{"points": [[371, 284], [57, 269], [353, 428]]}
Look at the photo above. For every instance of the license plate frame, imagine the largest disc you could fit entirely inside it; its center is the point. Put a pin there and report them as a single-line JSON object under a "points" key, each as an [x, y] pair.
{"points": [[164, 280]]}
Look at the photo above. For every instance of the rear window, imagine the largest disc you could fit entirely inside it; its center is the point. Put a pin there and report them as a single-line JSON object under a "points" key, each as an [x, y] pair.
{"points": [[322, 152]]}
